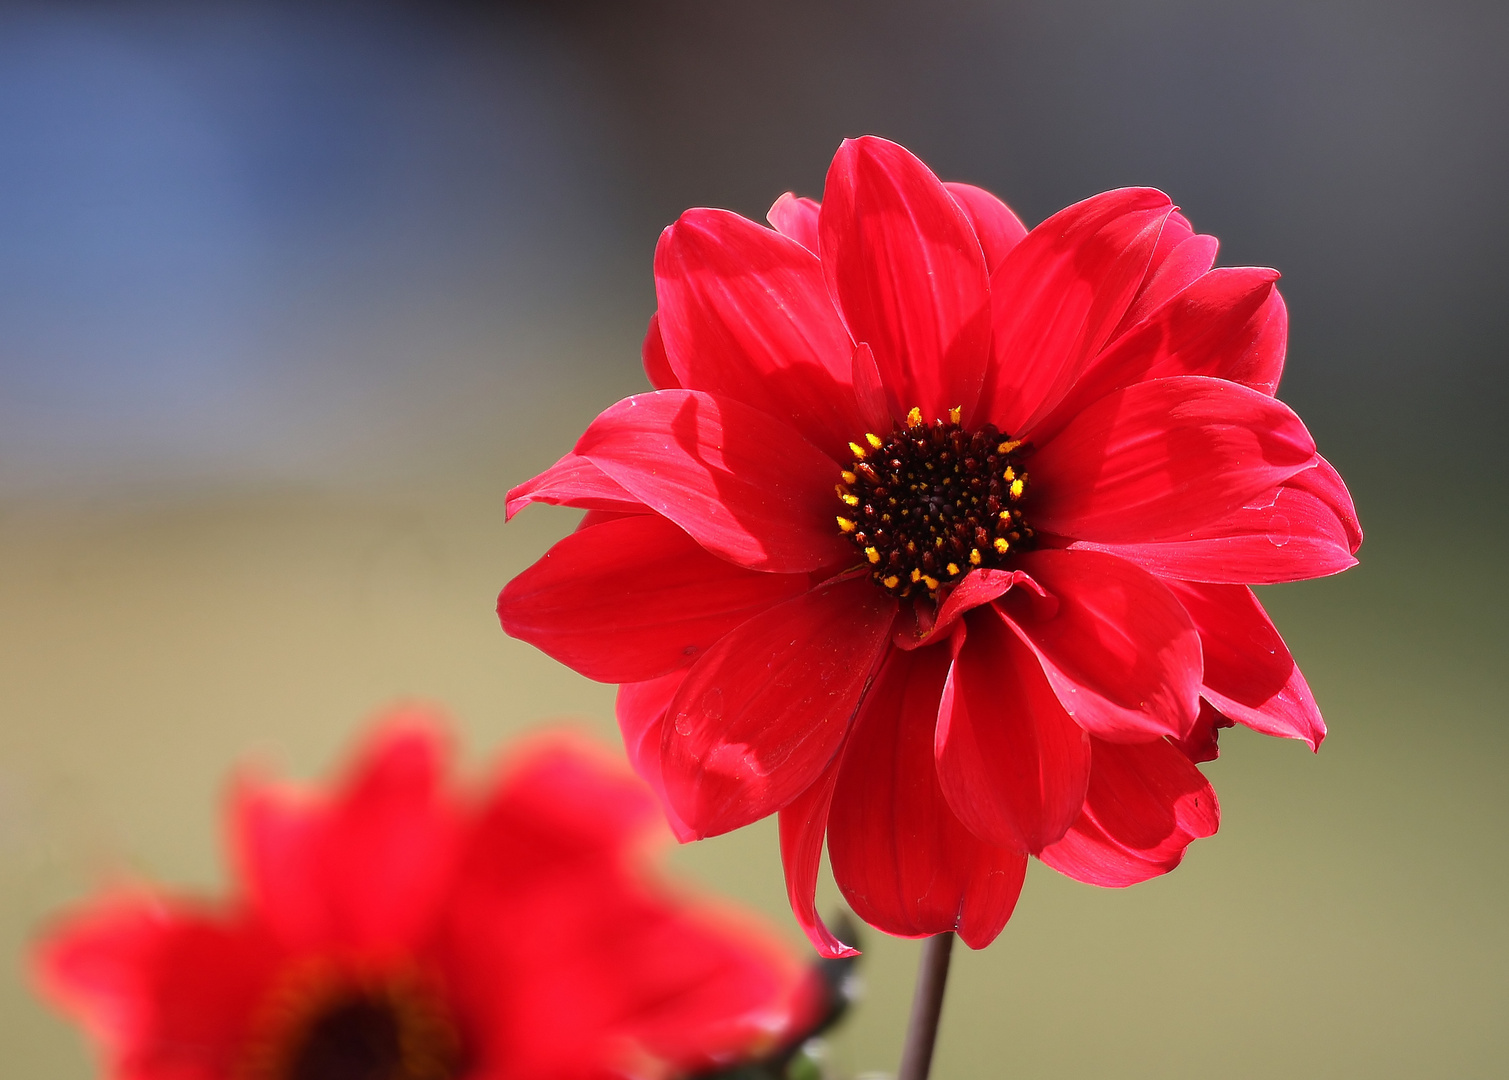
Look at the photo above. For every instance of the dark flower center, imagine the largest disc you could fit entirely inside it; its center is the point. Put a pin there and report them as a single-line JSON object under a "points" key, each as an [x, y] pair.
{"points": [[932, 502], [382, 1029]]}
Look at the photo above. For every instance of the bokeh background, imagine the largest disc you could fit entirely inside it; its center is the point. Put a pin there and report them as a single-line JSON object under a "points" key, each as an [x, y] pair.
{"points": [[291, 293]]}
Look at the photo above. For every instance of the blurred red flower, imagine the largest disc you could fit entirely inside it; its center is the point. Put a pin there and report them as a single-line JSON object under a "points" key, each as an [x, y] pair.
{"points": [[391, 930], [935, 538]]}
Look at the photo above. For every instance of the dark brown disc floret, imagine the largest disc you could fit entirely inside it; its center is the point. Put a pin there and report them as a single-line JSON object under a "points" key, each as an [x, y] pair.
{"points": [[932, 502]]}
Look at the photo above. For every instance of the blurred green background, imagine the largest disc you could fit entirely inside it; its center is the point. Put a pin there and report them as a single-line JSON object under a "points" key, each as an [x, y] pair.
{"points": [[291, 294]]}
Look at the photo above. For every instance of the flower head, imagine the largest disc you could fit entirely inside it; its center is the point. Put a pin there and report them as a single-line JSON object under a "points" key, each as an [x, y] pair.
{"points": [[391, 930], [935, 537]]}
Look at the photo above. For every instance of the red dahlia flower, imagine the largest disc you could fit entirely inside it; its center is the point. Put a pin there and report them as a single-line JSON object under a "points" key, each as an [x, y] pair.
{"points": [[935, 538], [391, 931]]}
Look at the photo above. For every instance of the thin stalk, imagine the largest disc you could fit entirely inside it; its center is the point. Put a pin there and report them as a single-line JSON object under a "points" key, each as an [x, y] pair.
{"points": [[927, 1006]]}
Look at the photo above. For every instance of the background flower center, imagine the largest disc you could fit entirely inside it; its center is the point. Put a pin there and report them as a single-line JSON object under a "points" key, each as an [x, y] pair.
{"points": [[383, 1029], [932, 502]]}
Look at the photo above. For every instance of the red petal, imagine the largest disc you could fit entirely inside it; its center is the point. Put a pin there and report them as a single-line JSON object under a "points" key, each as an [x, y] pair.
{"points": [[796, 217], [1305, 528], [1203, 741], [1249, 674], [573, 481], [368, 868], [744, 485], [997, 226], [657, 366], [976, 588], [1117, 646], [136, 973], [641, 709], [763, 712], [634, 598], [1060, 293], [1227, 325], [1145, 805], [876, 408], [1158, 459], [1011, 762], [1170, 273], [803, 822], [906, 269], [746, 316], [905, 863]]}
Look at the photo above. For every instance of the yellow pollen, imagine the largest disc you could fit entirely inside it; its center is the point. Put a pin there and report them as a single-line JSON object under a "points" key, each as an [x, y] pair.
{"points": [[1009, 475], [1002, 545], [1017, 487], [891, 582], [914, 418], [954, 414], [974, 557], [859, 453], [874, 440], [916, 574], [1008, 446], [872, 555], [848, 500], [845, 525], [849, 478], [930, 582], [953, 569]]}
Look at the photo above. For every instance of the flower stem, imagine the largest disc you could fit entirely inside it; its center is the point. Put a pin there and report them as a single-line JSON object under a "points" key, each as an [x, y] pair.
{"points": [[927, 1006]]}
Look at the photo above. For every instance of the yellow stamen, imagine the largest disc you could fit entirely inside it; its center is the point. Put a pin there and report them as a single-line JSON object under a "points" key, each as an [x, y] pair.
{"points": [[891, 581], [1017, 487], [953, 569], [848, 500], [874, 440], [1002, 545], [849, 478], [954, 414], [1008, 446], [974, 557], [916, 574], [914, 418], [872, 555], [858, 451], [1009, 475], [930, 582], [845, 525]]}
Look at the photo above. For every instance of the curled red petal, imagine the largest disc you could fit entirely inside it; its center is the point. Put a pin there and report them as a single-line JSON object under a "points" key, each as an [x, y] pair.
{"points": [[976, 588], [1304, 528], [744, 485], [1169, 274], [995, 223], [1117, 646], [1250, 675], [641, 708], [746, 315], [1057, 297], [1146, 803], [794, 216], [903, 263], [657, 366], [1158, 459], [803, 822], [1012, 763], [1230, 324], [634, 598], [763, 712], [903, 860], [573, 481]]}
